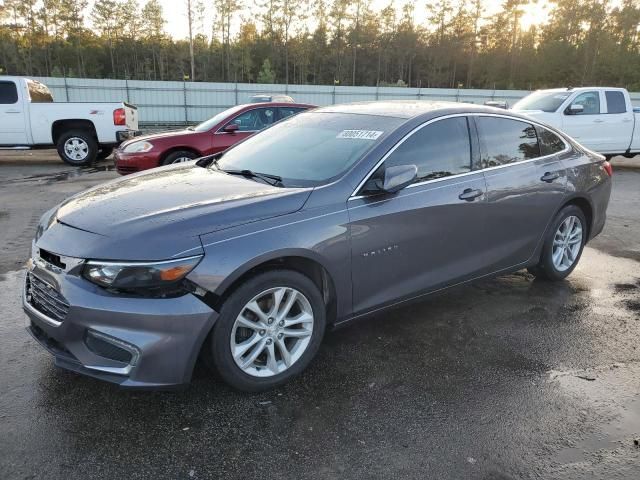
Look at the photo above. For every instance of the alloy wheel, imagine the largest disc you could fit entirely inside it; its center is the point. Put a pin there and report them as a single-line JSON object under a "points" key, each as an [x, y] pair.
{"points": [[567, 242], [76, 148], [272, 332]]}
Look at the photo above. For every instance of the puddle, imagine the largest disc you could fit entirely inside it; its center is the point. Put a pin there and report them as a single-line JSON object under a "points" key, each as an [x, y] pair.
{"points": [[49, 178], [607, 394]]}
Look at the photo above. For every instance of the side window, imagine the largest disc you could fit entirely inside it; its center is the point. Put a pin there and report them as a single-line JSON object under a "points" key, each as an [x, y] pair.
{"points": [[440, 149], [506, 141], [288, 111], [550, 143], [8, 93], [590, 101], [615, 102], [255, 119]]}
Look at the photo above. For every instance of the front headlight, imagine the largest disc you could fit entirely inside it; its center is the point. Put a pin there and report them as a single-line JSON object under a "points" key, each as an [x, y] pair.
{"points": [[137, 147], [138, 275]]}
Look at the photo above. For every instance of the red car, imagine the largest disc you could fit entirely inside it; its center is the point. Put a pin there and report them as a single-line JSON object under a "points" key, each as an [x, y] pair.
{"points": [[211, 136]]}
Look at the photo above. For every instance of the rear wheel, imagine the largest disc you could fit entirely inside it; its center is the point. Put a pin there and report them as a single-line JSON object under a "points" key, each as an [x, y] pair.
{"points": [[77, 147], [268, 331], [563, 246], [179, 156]]}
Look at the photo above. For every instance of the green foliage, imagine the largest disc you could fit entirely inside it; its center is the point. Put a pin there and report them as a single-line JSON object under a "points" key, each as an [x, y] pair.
{"points": [[266, 74], [332, 42]]}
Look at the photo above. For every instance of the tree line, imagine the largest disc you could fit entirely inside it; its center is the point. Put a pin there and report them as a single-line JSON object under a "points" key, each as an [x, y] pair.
{"points": [[335, 42]]}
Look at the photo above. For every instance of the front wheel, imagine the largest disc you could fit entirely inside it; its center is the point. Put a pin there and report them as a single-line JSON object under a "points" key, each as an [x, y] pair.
{"points": [[179, 156], [268, 331], [77, 147], [563, 246]]}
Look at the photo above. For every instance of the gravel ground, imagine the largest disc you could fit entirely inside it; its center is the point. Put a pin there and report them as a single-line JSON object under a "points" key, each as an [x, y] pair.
{"points": [[509, 378]]}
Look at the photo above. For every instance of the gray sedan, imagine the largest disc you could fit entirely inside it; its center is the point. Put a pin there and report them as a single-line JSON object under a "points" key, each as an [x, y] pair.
{"points": [[244, 259]]}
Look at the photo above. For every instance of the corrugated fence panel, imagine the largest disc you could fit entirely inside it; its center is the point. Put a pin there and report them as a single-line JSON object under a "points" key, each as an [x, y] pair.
{"points": [[169, 102]]}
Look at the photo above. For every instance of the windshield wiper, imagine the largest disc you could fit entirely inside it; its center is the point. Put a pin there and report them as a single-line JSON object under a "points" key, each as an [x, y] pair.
{"points": [[273, 180]]}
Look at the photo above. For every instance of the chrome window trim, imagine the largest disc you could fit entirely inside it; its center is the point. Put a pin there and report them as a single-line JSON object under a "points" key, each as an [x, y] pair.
{"points": [[566, 149]]}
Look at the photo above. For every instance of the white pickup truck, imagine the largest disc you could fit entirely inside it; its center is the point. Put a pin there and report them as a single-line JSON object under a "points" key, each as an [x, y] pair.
{"points": [[600, 118], [81, 132]]}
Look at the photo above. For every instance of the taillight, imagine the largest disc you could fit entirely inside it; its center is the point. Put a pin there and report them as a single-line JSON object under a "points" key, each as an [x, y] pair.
{"points": [[608, 168], [119, 117]]}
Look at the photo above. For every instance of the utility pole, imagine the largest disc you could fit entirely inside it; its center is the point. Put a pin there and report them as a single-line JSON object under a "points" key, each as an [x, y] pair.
{"points": [[190, 19]]}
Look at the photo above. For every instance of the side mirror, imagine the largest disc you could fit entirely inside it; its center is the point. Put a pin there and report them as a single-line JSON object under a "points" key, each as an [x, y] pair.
{"points": [[575, 109], [395, 179], [231, 128]]}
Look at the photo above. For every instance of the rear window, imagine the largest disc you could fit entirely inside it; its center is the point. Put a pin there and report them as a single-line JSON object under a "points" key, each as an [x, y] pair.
{"points": [[8, 93], [615, 102], [550, 143], [506, 141]]}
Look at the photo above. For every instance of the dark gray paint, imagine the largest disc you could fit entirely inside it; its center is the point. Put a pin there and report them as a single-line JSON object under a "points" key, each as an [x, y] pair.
{"points": [[376, 251]]}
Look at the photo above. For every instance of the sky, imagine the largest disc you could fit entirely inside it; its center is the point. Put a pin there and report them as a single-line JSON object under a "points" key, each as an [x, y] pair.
{"points": [[175, 13]]}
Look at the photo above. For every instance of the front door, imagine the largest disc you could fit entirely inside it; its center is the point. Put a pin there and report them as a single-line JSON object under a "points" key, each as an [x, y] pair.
{"points": [[427, 235], [13, 129], [585, 126], [249, 122]]}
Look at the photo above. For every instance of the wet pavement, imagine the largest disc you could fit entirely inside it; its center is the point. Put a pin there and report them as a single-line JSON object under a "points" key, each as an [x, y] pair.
{"points": [[509, 378]]}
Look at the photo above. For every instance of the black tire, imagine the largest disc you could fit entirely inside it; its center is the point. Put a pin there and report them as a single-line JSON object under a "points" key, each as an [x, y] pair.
{"points": [[173, 156], [104, 152], [82, 136], [546, 269], [219, 352]]}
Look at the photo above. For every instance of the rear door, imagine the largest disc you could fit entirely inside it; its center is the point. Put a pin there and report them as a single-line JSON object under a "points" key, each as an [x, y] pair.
{"points": [[249, 122], [426, 236], [586, 126], [525, 186], [13, 130], [617, 124]]}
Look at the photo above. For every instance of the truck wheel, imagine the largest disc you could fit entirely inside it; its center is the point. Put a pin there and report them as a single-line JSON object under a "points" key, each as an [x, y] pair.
{"points": [[77, 148], [104, 152]]}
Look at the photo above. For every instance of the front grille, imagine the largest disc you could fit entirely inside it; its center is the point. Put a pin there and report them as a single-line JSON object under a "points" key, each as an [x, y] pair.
{"points": [[46, 299], [124, 170]]}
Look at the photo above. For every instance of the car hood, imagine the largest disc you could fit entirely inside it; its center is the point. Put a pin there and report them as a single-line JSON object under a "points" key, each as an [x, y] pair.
{"points": [[159, 213], [158, 136]]}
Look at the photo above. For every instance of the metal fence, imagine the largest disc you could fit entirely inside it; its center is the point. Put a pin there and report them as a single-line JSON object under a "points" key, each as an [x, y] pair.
{"points": [[180, 103]]}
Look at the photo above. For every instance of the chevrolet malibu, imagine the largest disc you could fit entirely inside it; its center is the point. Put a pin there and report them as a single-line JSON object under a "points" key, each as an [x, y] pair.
{"points": [[244, 259]]}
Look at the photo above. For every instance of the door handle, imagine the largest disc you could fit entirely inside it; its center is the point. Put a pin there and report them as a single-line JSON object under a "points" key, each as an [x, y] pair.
{"points": [[12, 111], [598, 120], [550, 176], [470, 194]]}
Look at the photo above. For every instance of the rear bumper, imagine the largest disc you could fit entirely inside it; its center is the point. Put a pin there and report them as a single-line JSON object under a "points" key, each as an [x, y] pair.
{"points": [[133, 342], [123, 135], [127, 163]]}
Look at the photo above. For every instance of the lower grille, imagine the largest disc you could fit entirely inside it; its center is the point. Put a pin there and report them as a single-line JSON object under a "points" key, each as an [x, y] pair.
{"points": [[124, 170], [106, 349], [46, 299]]}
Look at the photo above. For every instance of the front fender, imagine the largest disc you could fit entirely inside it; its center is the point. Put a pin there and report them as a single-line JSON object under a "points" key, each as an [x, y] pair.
{"points": [[319, 236]]}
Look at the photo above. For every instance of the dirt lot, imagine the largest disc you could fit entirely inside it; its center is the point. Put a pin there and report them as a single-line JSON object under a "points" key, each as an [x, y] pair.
{"points": [[508, 378]]}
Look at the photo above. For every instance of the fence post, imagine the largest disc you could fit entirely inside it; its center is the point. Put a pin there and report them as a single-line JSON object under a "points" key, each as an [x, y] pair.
{"points": [[236, 93], [126, 86], [333, 96], [66, 88], [377, 95], [184, 94]]}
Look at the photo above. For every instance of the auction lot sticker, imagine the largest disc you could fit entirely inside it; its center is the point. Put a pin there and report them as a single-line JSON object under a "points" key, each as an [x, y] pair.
{"points": [[360, 134]]}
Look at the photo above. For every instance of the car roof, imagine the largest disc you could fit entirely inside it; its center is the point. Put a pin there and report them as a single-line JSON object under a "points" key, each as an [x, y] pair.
{"points": [[408, 109], [276, 104]]}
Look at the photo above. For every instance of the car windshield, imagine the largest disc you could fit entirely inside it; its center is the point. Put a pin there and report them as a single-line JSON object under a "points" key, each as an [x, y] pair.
{"points": [[213, 121], [544, 101], [310, 148]]}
